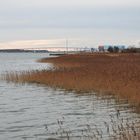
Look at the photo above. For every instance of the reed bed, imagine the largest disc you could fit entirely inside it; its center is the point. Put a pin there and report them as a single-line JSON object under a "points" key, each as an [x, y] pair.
{"points": [[107, 73]]}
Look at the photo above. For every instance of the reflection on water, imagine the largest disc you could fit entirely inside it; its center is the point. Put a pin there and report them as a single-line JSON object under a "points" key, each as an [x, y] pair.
{"points": [[35, 112], [21, 61]]}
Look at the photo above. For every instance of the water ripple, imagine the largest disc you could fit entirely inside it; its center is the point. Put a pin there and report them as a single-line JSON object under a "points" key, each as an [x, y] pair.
{"points": [[36, 112]]}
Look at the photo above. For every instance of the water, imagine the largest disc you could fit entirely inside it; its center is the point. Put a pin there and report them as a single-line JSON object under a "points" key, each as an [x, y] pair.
{"points": [[36, 112]]}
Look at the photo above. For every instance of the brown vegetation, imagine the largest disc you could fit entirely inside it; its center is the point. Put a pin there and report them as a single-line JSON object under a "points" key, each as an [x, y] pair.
{"points": [[118, 74]]}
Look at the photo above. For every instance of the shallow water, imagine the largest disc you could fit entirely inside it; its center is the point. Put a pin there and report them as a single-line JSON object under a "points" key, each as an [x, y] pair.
{"points": [[36, 112]]}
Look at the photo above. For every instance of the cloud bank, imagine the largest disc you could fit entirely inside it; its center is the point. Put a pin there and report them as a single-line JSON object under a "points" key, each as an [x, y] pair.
{"points": [[102, 21]]}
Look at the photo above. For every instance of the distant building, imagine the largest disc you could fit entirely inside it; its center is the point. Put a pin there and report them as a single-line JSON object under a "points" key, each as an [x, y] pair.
{"points": [[101, 48], [104, 48]]}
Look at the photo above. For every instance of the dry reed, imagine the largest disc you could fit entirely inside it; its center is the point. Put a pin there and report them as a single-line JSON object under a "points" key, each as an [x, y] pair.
{"points": [[118, 74]]}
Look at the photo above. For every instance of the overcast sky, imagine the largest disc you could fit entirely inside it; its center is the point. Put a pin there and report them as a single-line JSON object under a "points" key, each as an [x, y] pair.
{"points": [[29, 23]]}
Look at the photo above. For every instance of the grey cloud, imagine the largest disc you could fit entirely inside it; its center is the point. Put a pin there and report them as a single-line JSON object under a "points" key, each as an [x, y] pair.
{"points": [[125, 18]]}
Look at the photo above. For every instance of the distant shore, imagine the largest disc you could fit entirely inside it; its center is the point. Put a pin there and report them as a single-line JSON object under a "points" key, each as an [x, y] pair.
{"points": [[22, 51], [118, 74]]}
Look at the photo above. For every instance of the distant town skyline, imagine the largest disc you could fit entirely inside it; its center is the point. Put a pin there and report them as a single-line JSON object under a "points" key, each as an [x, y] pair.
{"points": [[31, 23]]}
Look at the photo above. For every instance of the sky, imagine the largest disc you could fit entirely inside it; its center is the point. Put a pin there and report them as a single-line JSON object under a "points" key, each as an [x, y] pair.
{"points": [[40, 23]]}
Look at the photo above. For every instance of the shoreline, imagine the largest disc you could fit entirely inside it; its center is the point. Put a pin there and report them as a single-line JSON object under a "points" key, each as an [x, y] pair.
{"points": [[118, 74]]}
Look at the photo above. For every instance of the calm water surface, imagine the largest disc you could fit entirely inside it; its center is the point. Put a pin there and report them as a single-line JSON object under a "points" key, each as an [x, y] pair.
{"points": [[35, 112]]}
